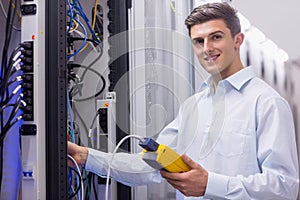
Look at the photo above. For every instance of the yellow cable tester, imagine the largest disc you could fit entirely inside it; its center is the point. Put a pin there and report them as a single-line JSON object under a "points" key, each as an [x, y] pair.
{"points": [[160, 156]]}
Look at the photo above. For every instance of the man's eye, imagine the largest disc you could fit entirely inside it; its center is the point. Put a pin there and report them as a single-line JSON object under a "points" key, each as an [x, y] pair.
{"points": [[217, 37], [197, 41]]}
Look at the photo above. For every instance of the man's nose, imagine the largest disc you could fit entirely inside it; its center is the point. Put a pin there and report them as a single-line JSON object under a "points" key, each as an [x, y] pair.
{"points": [[207, 46]]}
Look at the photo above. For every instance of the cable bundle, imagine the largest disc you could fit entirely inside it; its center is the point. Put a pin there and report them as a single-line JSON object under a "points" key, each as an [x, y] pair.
{"points": [[9, 67], [75, 13], [80, 30], [11, 87]]}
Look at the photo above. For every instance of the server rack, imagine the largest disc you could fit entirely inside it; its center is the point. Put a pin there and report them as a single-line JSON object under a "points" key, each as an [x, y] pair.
{"points": [[43, 133], [118, 76], [56, 100]]}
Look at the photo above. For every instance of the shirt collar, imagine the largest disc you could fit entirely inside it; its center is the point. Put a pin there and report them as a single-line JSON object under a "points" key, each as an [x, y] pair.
{"points": [[237, 80]]}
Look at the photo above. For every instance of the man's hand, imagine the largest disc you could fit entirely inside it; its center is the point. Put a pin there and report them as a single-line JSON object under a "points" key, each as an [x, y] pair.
{"points": [[191, 183], [79, 154]]}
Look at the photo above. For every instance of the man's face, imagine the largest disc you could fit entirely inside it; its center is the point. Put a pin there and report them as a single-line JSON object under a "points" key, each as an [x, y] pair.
{"points": [[216, 49]]}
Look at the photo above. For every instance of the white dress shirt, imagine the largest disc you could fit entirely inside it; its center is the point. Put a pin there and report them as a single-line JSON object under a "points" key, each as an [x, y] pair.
{"points": [[242, 134]]}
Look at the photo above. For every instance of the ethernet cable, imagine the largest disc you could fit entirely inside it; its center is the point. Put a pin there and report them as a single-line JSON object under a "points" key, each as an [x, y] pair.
{"points": [[84, 41], [80, 176], [111, 160]]}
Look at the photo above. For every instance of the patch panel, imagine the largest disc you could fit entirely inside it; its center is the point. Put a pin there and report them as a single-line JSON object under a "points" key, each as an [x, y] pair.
{"points": [[28, 77]]}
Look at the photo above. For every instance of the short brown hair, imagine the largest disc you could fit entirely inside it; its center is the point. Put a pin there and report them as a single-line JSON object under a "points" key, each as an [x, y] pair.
{"points": [[212, 11]]}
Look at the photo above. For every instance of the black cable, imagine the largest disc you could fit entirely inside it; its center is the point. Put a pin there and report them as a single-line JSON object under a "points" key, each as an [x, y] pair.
{"points": [[93, 70], [94, 119], [9, 22], [94, 186], [78, 187], [88, 182], [76, 84], [6, 106], [92, 63], [91, 178], [77, 114], [89, 66], [10, 71], [88, 193], [15, 51], [4, 50], [9, 25], [7, 100], [86, 189], [4, 87], [7, 127], [72, 39], [18, 104], [8, 31], [13, 114]]}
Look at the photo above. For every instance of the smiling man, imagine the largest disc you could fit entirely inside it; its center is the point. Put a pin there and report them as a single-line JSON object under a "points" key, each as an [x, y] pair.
{"points": [[236, 134], [215, 44], [255, 156]]}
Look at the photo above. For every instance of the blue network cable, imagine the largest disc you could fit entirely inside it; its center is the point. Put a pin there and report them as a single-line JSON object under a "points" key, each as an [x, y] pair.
{"points": [[76, 8], [83, 43], [69, 13]]}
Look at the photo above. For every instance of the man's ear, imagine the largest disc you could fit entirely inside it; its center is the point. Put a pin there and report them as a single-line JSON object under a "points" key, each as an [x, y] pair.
{"points": [[239, 38]]}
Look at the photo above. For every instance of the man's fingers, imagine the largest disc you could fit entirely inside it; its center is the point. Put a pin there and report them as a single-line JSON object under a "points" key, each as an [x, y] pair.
{"points": [[71, 147], [189, 161]]}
